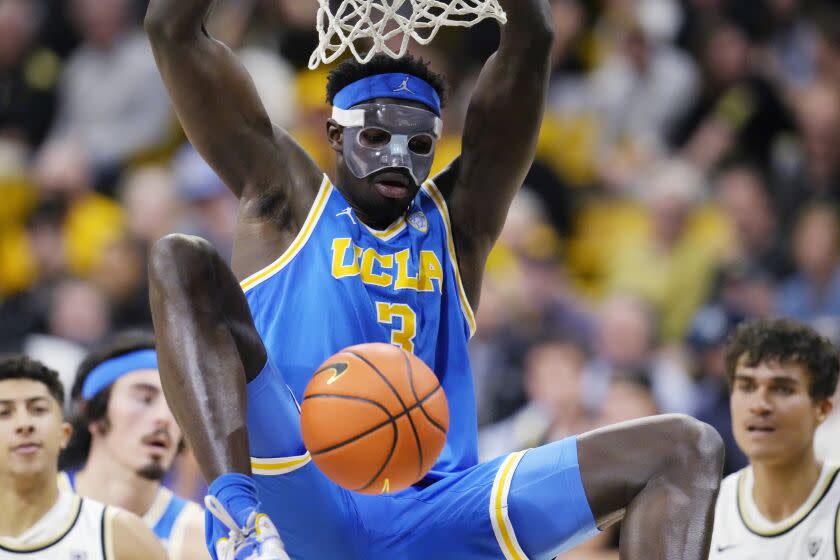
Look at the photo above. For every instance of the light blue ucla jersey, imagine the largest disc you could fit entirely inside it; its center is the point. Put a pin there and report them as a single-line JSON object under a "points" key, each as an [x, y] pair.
{"points": [[168, 517], [341, 283]]}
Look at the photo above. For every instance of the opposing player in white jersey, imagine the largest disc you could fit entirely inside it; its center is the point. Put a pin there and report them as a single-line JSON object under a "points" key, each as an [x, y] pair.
{"points": [[125, 440], [37, 520], [786, 504]]}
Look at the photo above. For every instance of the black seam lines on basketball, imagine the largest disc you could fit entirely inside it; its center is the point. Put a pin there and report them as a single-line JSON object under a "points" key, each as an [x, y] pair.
{"points": [[391, 419], [399, 398], [410, 375], [414, 392]]}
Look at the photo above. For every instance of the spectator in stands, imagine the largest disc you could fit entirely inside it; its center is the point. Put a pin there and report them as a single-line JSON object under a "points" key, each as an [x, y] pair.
{"points": [[28, 75], [815, 174], [641, 92], [112, 99], [707, 345], [670, 267], [792, 44], [742, 194], [629, 397], [151, 204], [812, 294], [210, 208], [739, 111], [63, 173], [553, 374]]}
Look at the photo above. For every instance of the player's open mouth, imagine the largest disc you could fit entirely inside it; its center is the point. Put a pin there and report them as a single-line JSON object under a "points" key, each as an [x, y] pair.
{"points": [[393, 185]]}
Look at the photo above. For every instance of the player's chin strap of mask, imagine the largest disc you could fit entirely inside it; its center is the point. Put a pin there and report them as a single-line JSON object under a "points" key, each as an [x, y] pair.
{"points": [[381, 136]]}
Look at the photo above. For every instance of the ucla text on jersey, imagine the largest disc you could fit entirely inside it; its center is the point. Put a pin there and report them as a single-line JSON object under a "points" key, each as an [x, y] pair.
{"points": [[342, 283]]}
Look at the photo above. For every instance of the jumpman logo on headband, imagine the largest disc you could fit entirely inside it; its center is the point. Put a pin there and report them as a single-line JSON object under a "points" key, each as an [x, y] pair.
{"points": [[404, 86]]}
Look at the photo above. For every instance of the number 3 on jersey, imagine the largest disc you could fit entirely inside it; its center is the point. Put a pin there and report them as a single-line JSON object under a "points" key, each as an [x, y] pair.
{"points": [[403, 322]]}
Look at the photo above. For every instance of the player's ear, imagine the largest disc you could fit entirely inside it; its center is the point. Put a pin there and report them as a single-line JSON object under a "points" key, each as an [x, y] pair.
{"points": [[66, 433], [825, 407], [335, 135]]}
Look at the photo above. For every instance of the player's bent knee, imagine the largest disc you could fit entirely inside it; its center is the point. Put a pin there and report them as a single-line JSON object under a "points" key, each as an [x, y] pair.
{"points": [[699, 446], [178, 255]]}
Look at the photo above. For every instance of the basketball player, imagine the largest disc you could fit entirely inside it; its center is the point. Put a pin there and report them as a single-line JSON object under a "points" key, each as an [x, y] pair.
{"points": [[785, 504], [383, 256], [37, 520], [125, 439]]}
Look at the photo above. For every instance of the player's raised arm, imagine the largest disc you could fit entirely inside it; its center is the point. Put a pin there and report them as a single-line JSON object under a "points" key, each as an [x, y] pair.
{"points": [[500, 135], [218, 105]]}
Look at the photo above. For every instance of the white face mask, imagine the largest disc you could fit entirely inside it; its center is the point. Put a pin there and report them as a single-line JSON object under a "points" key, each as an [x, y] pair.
{"points": [[379, 136]]}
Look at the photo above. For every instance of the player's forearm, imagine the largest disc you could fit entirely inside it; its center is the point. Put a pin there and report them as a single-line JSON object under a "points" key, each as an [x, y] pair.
{"points": [[529, 26], [177, 18]]}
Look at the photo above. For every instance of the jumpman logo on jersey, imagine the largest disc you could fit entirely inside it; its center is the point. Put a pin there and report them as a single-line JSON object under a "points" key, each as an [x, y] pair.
{"points": [[404, 86], [347, 212]]}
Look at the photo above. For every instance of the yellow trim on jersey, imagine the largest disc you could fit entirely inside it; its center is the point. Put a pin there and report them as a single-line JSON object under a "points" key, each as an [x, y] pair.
{"points": [[108, 532], [179, 530], [390, 232], [302, 237], [499, 518], [791, 522], [158, 507], [279, 465], [75, 512], [432, 190]]}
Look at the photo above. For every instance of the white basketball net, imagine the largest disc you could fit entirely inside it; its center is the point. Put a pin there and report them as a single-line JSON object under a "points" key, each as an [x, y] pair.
{"points": [[385, 22]]}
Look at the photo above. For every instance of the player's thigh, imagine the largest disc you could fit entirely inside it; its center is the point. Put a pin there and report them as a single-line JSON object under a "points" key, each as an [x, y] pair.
{"points": [[525, 505], [541, 502], [448, 520]]}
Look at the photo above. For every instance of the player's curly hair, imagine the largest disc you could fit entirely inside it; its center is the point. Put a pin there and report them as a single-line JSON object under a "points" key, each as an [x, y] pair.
{"points": [[85, 413], [17, 366], [352, 70], [786, 342]]}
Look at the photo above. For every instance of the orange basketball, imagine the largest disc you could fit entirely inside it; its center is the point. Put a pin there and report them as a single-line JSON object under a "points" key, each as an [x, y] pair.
{"points": [[374, 418]]}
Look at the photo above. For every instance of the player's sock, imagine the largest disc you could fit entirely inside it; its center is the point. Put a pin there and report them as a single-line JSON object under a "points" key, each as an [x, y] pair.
{"points": [[237, 494]]}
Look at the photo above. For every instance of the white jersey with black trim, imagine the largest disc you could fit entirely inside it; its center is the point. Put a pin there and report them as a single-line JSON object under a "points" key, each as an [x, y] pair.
{"points": [[74, 528], [741, 532]]}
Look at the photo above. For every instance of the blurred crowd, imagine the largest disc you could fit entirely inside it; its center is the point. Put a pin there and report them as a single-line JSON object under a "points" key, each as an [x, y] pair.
{"points": [[688, 178]]}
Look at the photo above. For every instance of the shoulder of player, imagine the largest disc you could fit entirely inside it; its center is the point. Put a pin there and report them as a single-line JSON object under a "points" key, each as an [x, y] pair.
{"points": [[130, 538]]}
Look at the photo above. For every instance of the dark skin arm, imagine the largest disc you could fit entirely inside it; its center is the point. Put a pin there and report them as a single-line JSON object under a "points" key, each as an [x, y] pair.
{"points": [[665, 485], [500, 136], [223, 117]]}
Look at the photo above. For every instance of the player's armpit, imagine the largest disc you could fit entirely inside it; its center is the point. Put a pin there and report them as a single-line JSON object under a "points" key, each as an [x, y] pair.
{"points": [[133, 540], [219, 107]]}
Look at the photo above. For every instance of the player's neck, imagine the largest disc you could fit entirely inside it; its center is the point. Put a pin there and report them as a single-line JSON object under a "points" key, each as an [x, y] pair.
{"points": [[797, 479], [105, 479], [24, 501]]}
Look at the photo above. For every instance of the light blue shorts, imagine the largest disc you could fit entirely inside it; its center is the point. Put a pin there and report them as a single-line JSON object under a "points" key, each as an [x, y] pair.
{"points": [[529, 504]]}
